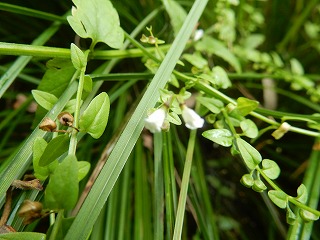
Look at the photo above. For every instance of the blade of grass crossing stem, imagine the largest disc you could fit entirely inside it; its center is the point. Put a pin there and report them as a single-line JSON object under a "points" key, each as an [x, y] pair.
{"points": [[184, 187], [22, 159], [301, 229], [10, 75], [100, 191], [158, 188], [169, 184]]}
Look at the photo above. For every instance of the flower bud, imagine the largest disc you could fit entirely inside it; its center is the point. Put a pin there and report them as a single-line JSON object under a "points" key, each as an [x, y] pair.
{"points": [[191, 118], [155, 120]]}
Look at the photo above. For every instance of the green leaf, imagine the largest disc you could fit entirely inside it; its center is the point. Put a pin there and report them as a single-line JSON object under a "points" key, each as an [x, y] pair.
{"points": [[247, 180], [70, 106], [62, 190], [302, 194], [258, 186], [87, 86], [214, 105], [296, 67], [245, 106], [83, 169], [222, 137], [220, 78], [290, 216], [57, 77], [44, 99], [249, 128], [196, 60], [176, 13], [308, 216], [279, 198], [41, 173], [23, 236], [270, 168], [98, 20], [173, 118], [248, 153], [94, 119], [55, 148], [78, 58], [215, 47]]}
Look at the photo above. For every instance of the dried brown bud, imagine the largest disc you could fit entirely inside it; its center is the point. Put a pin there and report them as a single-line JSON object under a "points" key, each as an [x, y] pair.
{"points": [[27, 185], [30, 211], [66, 119], [48, 125]]}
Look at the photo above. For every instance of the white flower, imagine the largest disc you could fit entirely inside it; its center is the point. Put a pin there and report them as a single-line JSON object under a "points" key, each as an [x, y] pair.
{"points": [[198, 34], [191, 118], [155, 120]]}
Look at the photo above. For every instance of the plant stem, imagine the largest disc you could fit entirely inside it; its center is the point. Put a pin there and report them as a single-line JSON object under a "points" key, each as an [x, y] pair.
{"points": [[184, 187]]}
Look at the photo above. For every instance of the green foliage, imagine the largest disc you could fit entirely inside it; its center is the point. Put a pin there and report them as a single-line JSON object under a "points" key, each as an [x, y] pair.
{"points": [[41, 172], [78, 58], [213, 46], [139, 183], [97, 20], [44, 99], [62, 189], [249, 154], [55, 148], [222, 137], [23, 236], [94, 119]]}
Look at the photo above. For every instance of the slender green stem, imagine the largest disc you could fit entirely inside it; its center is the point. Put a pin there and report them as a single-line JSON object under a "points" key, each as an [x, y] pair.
{"points": [[184, 187], [230, 125], [51, 52], [158, 188]]}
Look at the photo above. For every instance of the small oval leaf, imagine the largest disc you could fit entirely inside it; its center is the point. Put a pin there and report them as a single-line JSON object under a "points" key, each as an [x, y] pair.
{"points": [[247, 180], [94, 119], [214, 105], [222, 137], [302, 194], [78, 58], [249, 154], [44, 99], [308, 216], [259, 186], [55, 148], [279, 198], [245, 106], [249, 128], [270, 168]]}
